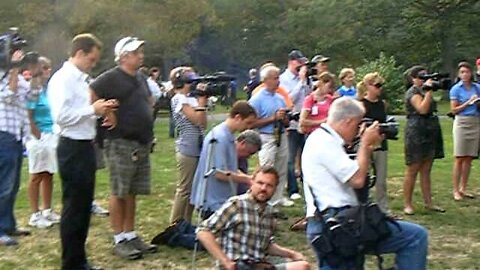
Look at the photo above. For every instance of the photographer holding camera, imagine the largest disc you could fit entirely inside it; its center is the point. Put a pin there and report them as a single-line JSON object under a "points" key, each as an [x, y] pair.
{"points": [[271, 122], [423, 138], [464, 97], [330, 177], [15, 91], [371, 86], [295, 80], [190, 116]]}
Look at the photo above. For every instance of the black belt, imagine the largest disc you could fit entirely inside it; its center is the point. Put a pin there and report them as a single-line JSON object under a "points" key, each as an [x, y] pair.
{"points": [[66, 139]]}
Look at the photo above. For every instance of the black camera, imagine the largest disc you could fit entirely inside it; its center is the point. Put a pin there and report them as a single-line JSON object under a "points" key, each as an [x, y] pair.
{"points": [[217, 84], [291, 115], [440, 81], [311, 70], [10, 42], [390, 128]]}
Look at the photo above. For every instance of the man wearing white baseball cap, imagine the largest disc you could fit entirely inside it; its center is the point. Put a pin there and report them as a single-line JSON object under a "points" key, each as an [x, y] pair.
{"points": [[127, 145]]}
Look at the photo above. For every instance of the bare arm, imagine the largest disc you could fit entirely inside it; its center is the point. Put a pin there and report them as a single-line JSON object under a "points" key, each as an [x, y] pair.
{"points": [[211, 245], [422, 104], [33, 127], [305, 122], [277, 250], [456, 107], [238, 177]]}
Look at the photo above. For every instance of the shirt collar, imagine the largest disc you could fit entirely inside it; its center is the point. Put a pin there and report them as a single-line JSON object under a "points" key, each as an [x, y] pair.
{"points": [[82, 76], [290, 75], [268, 93], [334, 134]]}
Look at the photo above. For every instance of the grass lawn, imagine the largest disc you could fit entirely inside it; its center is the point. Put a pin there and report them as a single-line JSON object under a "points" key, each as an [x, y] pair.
{"points": [[454, 236]]}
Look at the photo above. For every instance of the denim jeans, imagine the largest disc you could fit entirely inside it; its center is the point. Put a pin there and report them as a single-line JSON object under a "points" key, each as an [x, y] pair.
{"points": [[185, 236], [296, 141], [10, 165], [409, 243]]}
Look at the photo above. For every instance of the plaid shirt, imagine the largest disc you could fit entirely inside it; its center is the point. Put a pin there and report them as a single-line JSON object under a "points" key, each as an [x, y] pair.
{"points": [[243, 228], [13, 111]]}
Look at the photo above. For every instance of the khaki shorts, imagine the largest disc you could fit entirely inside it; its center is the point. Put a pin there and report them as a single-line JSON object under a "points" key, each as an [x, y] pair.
{"points": [[129, 165]]}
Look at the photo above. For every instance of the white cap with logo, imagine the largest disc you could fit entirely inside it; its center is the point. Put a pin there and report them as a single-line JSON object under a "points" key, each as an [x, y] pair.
{"points": [[126, 45]]}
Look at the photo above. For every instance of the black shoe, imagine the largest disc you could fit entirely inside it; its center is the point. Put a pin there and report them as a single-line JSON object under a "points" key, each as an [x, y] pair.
{"points": [[19, 232], [164, 237]]}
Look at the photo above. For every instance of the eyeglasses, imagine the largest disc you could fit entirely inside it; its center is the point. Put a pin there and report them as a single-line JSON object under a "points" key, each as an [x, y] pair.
{"points": [[378, 85]]}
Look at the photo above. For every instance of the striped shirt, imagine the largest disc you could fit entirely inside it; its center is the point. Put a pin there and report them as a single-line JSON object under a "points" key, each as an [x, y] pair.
{"points": [[190, 136], [243, 228], [13, 110]]}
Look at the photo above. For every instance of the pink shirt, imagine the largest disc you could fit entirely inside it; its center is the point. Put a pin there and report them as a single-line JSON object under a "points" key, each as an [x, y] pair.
{"points": [[317, 110]]}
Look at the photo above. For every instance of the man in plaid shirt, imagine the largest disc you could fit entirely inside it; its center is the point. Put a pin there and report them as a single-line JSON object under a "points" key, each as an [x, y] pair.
{"points": [[14, 126], [242, 229]]}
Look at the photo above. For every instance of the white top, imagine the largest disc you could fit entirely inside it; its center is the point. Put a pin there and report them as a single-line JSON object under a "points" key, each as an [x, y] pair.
{"points": [[327, 168], [154, 88], [70, 103]]}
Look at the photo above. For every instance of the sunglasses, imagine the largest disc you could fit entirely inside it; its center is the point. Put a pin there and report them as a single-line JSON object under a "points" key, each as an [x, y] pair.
{"points": [[378, 85]]}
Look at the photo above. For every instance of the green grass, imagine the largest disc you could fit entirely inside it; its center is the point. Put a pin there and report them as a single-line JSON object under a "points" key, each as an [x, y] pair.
{"points": [[454, 236]]}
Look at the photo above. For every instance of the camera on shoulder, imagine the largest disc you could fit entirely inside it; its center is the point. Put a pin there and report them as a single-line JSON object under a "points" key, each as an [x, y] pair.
{"points": [[440, 81]]}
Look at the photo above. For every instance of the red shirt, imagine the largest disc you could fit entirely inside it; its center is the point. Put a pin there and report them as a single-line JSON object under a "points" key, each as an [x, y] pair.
{"points": [[317, 110]]}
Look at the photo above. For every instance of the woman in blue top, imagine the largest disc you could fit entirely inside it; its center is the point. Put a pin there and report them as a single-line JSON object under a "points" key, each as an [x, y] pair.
{"points": [[42, 160], [466, 128]]}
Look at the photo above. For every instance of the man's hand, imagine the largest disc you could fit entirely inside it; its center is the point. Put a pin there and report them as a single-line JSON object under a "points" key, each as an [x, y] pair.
{"points": [[371, 136], [101, 106], [297, 256], [302, 74], [110, 120], [17, 56], [230, 265], [280, 114]]}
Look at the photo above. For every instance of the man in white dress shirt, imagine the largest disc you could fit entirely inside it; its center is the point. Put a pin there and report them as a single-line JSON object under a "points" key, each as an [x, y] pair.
{"points": [[74, 117]]}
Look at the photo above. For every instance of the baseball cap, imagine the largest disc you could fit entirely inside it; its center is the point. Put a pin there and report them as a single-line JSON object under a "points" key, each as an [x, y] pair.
{"points": [[125, 45], [320, 58], [478, 61], [297, 55]]}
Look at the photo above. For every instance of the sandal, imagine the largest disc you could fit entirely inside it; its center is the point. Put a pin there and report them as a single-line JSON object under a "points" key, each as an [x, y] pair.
{"points": [[435, 208], [467, 194]]}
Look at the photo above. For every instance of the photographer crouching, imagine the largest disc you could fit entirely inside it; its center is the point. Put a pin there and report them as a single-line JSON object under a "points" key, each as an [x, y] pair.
{"points": [[330, 178]]}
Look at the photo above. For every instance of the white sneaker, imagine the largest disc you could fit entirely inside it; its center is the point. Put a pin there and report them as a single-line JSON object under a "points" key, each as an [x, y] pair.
{"points": [[98, 210], [51, 216], [286, 202], [37, 220], [295, 196]]}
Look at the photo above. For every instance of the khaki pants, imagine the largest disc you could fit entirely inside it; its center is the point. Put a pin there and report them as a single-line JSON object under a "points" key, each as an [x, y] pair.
{"points": [[186, 166], [276, 156], [380, 161]]}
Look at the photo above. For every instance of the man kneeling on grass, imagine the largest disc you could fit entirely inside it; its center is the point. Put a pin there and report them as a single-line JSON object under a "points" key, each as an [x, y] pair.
{"points": [[241, 231]]}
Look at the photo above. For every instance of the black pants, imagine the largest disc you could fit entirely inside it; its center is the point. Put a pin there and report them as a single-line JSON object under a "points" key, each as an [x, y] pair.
{"points": [[76, 161]]}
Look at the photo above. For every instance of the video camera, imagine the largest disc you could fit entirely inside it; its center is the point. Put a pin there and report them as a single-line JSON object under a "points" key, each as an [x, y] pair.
{"points": [[217, 84], [291, 115], [10, 42], [390, 128], [440, 81]]}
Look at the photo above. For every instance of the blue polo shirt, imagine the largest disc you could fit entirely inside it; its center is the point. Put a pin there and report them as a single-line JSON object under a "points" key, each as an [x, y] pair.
{"points": [[461, 94], [266, 104], [347, 92], [224, 158], [41, 112]]}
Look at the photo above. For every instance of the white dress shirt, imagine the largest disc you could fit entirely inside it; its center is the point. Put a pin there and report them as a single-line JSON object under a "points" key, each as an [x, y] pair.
{"points": [[70, 103], [327, 169]]}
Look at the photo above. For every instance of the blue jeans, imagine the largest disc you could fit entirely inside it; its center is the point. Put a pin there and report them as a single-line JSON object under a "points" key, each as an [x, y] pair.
{"points": [[296, 141], [10, 165], [410, 244]]}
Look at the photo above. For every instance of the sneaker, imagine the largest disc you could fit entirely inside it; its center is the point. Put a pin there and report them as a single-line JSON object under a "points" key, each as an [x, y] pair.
{"points": [[51, 216], [97, 210], [37, 220], [138, 244], [6, 240], [286, 202], [295, 196], [126, 251]]}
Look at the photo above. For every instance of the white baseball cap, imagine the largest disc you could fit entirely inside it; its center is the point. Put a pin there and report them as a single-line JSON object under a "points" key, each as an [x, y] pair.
{"points": [[125, 45]]}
